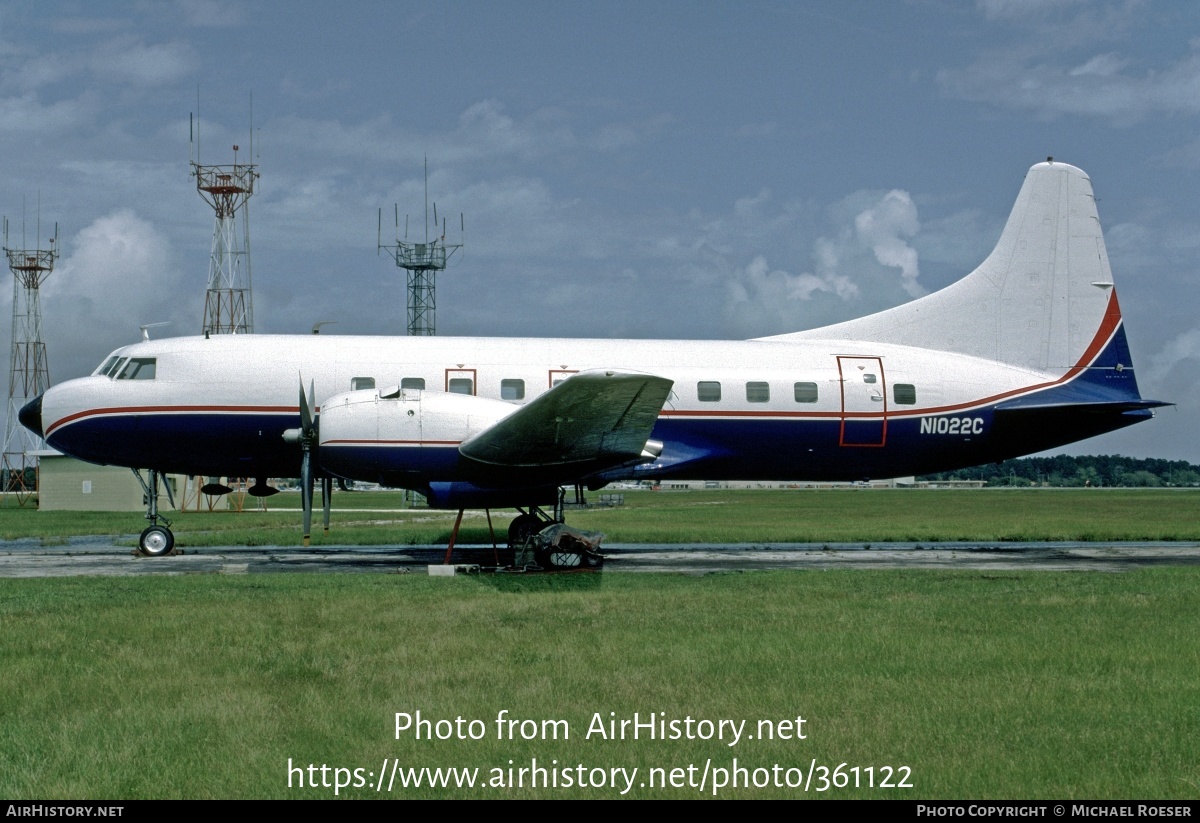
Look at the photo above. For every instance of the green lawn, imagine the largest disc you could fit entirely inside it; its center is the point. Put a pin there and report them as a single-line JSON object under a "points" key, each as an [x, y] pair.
{"points": [[1014, 685], [802, 516], [980, 685]]}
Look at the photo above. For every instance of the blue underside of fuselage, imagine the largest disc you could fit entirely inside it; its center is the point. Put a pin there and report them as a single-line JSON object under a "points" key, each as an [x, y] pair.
{"points": [[244, 445]]}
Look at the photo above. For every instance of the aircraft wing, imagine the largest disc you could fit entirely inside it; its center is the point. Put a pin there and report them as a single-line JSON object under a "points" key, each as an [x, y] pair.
{"points": [[593, 417]]}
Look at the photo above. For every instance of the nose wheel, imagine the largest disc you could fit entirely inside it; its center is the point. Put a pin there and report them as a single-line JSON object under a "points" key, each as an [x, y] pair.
{"points": [[156, 541]]}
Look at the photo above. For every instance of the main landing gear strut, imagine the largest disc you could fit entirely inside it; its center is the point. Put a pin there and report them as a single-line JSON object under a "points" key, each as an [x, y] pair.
{"points": [[532, 519], [156, 540]]}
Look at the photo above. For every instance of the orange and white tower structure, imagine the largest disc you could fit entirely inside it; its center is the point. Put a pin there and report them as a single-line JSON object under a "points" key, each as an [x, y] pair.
{"points": [[229, 301], [29, 371]]}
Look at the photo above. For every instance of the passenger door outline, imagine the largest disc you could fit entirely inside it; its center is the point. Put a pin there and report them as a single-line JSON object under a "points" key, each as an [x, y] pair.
{"points": [[864, 404]]}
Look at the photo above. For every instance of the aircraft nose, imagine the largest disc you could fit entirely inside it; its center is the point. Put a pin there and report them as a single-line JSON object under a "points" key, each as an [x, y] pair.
{"points": [[31, 415]]}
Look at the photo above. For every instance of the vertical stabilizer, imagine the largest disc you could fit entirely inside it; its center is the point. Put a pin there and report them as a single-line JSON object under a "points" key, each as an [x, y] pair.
{"points": [[1039, 299]]}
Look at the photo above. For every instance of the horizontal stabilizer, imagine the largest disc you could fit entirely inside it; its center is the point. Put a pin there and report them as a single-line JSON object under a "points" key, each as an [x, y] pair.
{"points": [[593, 416]]}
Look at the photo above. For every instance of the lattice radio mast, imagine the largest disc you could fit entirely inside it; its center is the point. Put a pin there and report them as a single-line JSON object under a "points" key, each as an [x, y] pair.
{"points": [[229, 301], [422, 262], [29, 373]]}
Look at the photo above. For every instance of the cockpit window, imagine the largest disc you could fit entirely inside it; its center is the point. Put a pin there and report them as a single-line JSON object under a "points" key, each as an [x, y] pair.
{"points": [[138, 368], [104, 367]]}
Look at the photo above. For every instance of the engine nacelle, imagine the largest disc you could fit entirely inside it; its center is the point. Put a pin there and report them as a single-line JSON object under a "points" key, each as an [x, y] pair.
{"points": [[400, 437]]}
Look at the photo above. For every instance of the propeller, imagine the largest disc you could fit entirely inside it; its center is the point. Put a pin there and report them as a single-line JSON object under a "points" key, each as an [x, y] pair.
{"points": [[306, 437]]}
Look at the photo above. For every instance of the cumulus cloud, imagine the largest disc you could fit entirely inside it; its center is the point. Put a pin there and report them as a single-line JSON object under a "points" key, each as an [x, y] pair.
{"points": [[1051, 64], [757, 281], [854, 270], [123, 59], [1097, 87], [131, 61], [1021, 9], [1184, 347], [1102, 65], [485, 132], [884, 228], [211, 13], [119, 274], [614, 136], [25, 114], [27, 72]]}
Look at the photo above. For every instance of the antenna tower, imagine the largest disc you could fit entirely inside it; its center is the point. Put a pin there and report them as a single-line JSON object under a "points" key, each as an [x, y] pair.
{"points": [[422, 262], [229, 302], [29, 374]]}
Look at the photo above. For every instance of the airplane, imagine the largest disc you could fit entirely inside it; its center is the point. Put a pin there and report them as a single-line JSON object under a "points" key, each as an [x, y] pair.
{"points": [[1025, 353]]}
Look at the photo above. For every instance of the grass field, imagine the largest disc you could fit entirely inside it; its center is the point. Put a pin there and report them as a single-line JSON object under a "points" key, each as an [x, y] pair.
{"points": [[690, 517], [984, 685], [1021, 685]]}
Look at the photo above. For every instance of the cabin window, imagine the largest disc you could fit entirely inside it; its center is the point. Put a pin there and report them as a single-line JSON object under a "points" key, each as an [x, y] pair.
{"points": [[806, 392], [708, 391], [868, 377], [358, 383], [138, 368], [512, 389], [758, 392], [905, 394], [114, 368], [462, 385], [107, 365], [413, 383]]}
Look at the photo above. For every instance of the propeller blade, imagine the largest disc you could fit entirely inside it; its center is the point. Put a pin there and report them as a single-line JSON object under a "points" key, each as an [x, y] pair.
{"points": [[306, 416], [307, 439], [306, 493], [327, 498]]}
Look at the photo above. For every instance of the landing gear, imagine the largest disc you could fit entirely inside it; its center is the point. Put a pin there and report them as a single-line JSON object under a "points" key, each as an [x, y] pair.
{"points": [[544, 540], [156, 540], [523, 527]]}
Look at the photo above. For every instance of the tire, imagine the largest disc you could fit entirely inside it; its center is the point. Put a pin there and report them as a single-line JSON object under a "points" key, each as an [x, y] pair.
{"points": [[156, 541], [563, 559], [522, 528]]}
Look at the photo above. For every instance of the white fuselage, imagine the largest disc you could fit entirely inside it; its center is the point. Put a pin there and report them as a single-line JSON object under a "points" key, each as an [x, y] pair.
{"points": [[792, 410]]}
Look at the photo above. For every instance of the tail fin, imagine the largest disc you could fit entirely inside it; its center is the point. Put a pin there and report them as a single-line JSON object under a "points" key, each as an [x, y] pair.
{"points": [[1040, 300]]}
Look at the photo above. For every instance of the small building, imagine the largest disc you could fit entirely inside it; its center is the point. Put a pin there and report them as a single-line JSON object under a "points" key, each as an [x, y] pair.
{"points": [[67, 484]]}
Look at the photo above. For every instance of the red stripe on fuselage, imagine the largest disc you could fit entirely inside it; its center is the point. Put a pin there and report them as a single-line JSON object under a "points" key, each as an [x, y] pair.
{"points": [[71, 418], [390, 443]]}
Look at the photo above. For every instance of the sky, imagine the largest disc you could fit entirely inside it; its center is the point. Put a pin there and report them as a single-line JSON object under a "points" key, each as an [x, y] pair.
{"points": [[623, 169]]}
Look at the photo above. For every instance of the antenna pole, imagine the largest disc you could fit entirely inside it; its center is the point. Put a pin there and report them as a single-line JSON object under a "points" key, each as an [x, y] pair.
{"points": [[422, 262]]}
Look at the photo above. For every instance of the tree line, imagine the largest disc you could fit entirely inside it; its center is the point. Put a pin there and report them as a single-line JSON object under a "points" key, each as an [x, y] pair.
{"points": [[1090, 470]]}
